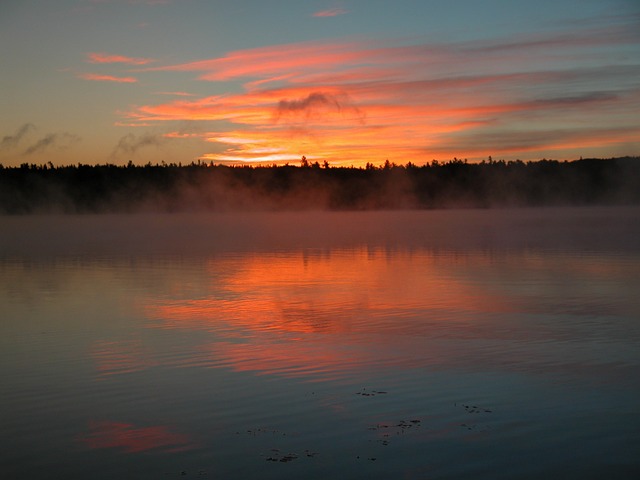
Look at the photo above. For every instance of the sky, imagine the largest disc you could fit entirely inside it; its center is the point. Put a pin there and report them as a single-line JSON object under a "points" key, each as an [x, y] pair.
{"points": [[343, 81]]}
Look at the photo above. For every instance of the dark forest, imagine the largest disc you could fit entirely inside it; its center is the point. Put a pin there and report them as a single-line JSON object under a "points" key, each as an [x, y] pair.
{"points": [[81, 188]]}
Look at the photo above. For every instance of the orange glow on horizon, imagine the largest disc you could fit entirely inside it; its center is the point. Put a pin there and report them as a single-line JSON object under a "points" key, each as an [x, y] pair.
{"points": [[356, 102]]}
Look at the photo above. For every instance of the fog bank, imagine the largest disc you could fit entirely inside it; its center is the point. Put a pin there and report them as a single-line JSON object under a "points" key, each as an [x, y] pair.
{"points": [[585, 229]]}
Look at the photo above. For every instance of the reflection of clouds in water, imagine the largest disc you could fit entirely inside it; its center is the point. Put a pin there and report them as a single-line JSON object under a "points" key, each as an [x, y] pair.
{"points": [[305, 339], [133, 439], [330, 315], [427, 290], [359, 291]]}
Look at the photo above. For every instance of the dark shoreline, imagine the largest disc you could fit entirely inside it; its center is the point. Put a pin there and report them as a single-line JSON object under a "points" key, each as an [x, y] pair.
{"points": [[200, 187]]}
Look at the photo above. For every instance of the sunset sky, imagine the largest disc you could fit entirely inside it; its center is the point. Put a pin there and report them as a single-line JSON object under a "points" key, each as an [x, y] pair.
{"points": [[347, 81]]}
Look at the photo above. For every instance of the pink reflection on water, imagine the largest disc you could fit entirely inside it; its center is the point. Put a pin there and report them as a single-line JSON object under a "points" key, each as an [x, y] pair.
{"points": [[132, 439]]}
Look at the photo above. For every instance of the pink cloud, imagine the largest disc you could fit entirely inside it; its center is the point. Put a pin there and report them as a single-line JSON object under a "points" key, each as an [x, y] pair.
{"points": [[107, 78], [132, 124], [332, 12], [94, 57], [279, 60], [177, 94]]}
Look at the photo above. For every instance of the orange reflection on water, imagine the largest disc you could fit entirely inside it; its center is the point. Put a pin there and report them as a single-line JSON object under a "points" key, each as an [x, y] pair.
{"points": [[327, 312], [323, 292], [134, 439]]}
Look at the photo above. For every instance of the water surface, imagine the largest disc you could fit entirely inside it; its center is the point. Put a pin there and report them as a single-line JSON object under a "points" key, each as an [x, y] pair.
{"points": [[446, 344]]}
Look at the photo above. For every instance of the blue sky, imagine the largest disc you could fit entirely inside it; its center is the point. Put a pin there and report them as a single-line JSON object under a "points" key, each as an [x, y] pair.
{"points": [[108, 81]]}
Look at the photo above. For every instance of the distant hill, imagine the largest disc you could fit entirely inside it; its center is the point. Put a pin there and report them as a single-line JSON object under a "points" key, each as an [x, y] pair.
{"points": [[203, 187]]}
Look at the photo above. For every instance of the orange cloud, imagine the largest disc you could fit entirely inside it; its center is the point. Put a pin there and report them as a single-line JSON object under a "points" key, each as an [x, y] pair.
{"points": [[109, 58], [177, 94], [267, 61], [354, 102], [132, 124], [107, 78]]}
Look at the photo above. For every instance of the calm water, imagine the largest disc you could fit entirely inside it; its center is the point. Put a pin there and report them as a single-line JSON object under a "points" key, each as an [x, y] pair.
{"points": [[426, 345]]}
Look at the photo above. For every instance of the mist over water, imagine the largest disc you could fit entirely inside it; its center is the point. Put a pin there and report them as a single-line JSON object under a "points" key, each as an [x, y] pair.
{"points": [[407, 344], [187, 234]]}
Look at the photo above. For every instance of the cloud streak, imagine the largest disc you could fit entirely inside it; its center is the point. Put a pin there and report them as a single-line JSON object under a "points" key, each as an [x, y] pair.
{"points": [[130, 143], [332, 12], [106, 78], [57, 140], [110, 58], [12, 141], [274, 60], [177, 94]]}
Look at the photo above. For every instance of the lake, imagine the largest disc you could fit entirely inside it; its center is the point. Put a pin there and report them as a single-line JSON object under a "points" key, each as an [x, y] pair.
{"points": [[484, 344]]}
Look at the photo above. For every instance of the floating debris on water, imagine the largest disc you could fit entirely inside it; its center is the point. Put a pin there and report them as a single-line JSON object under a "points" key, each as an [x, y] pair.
{"points": [[400, 426], [475, 408], [184, 473], [276, 457], [371, 393], [395, 429], [260, 431]]}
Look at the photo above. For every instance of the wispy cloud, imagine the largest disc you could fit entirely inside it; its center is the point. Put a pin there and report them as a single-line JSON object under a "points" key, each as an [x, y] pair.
{"points": [[94, 57], [131, 124], [316, 104], [332, 12], [58, 140], [106, 78], [132, 2], [177, 94], [12, 141], [130, 143], [274, 60]]}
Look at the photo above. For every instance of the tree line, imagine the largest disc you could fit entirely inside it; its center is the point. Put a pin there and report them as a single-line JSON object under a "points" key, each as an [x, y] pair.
{"points": [[198, 186]]}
